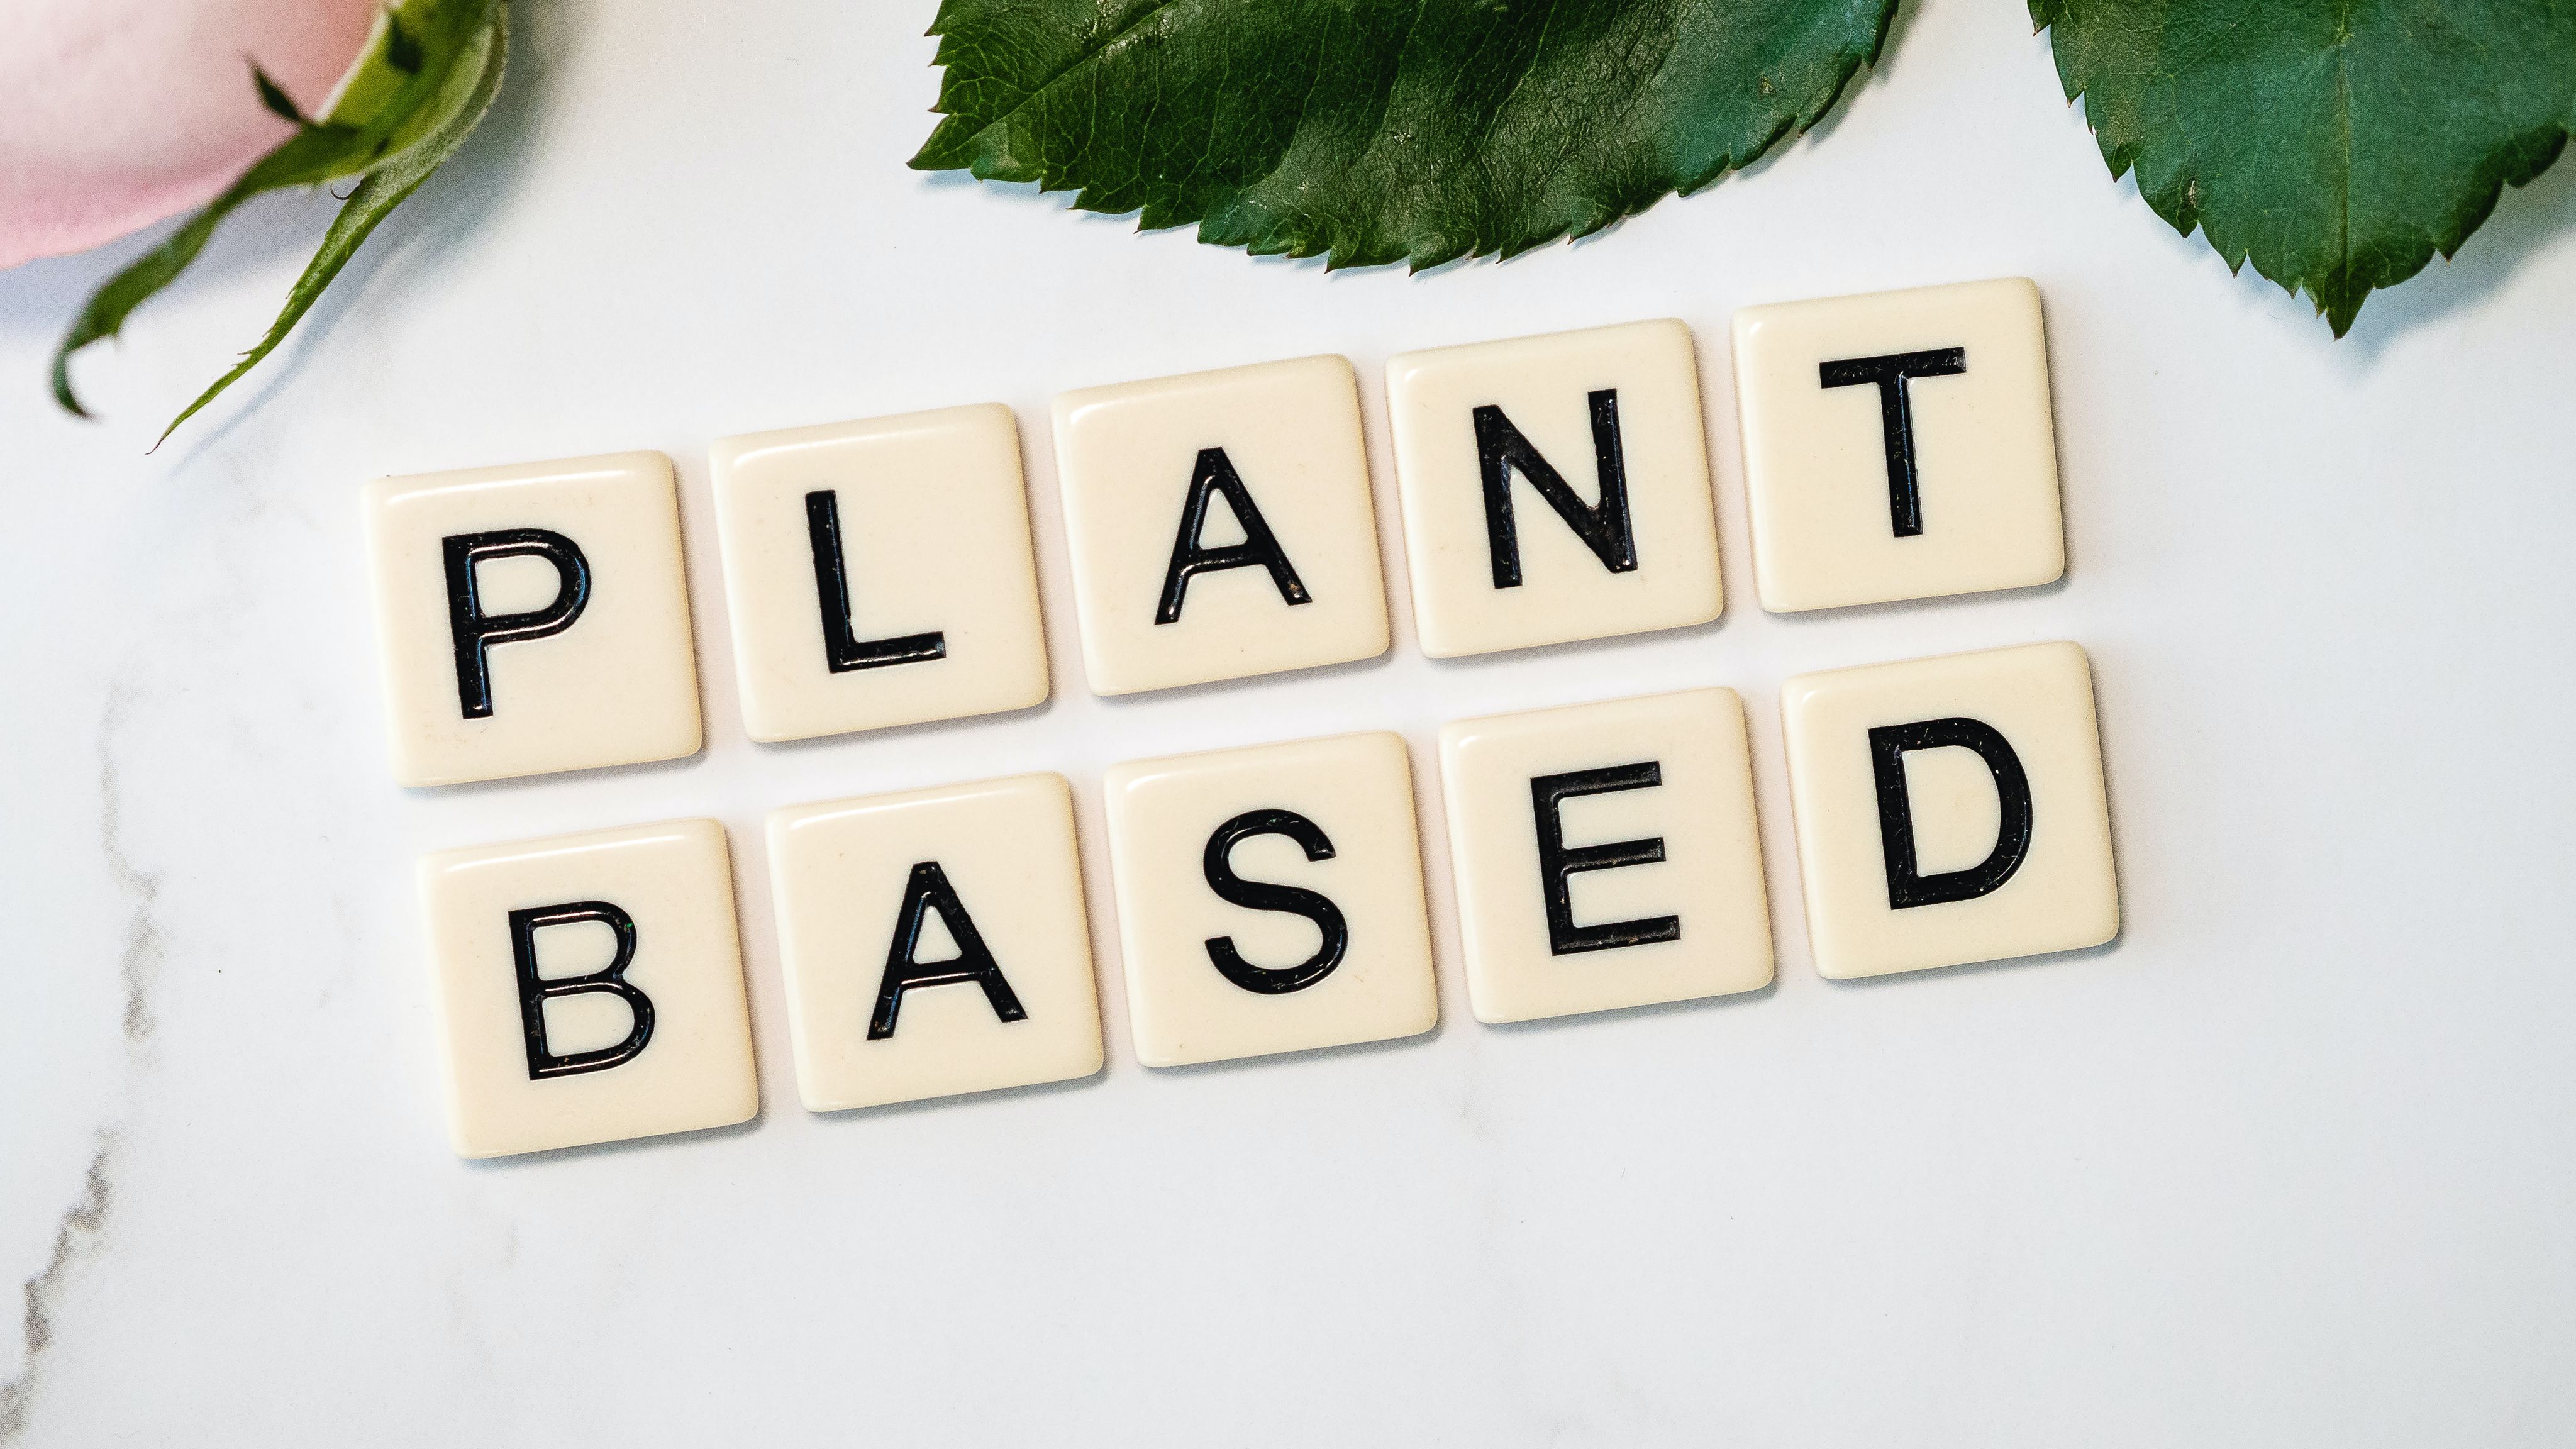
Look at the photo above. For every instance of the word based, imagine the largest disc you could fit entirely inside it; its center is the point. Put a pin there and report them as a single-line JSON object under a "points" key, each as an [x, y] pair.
{"points": [[1269, 898]]}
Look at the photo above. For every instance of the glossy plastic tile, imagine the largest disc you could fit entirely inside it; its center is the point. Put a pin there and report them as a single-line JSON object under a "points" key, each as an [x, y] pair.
{"points": [[1554, 488], [879, 573], [590, 988], [1950, 810], [1270, 899], [1606, 855], [533, 618], [934, 942], [1220, 525], [1898, 446]]}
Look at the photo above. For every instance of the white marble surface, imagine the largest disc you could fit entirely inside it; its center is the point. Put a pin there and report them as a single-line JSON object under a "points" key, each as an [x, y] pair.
{"points": [[2289, 1164]]}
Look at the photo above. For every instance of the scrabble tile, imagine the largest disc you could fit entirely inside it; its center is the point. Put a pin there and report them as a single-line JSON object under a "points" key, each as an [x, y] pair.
{"points": [[1554, 488], [533, 618], [1220, 525], [589, 988], [1270, 899], [1605, 855], [1898, 446], [878, 573], [934, 942], [1950, 810]]}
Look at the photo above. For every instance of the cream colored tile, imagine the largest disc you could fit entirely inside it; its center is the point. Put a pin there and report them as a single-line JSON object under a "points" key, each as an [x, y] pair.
{"points": [[1606, 855], [878, 573], [533, 618], [934, 942], [1270, 899], [1220, 525], [1843, 400], [589, 988], [1950, 810], [1554, 488]]}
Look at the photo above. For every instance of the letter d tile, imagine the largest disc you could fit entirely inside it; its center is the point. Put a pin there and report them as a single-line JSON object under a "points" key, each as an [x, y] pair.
{"points": [[1950, 810], [590, 988]]}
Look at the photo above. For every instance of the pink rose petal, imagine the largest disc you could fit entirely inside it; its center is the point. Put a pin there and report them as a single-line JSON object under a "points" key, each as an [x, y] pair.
{"points": [[117, 113]]}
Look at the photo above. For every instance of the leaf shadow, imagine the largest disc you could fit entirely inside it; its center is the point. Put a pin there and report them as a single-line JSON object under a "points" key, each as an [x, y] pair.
{"points": [[428, 228], [40, 297], [475, 182], [2526, 220]]}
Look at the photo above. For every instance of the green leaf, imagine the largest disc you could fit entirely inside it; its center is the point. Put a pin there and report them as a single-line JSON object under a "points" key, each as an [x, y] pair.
{"points": [[2337, 144], [1372, 131], [471, 87], [274, 96], [386, 111]]}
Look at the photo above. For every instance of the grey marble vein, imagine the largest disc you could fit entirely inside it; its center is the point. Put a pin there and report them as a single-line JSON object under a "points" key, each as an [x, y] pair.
{"points": [[77, 1236], [139, 962]]}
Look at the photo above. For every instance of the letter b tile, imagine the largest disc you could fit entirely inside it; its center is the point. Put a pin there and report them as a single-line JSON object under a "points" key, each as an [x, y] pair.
{"points": [[879, 572], [934, 942], [1950, 810], [1899, 445], [1220, 525], [590, 988], [533, 618], [1606, 855], [1555, 488], [1270, 899]]}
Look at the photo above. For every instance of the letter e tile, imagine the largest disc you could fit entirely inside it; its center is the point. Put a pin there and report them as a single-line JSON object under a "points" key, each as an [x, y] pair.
{"points": [[589, 988], [1554, 488], [1898, 445], [1606, 855], [1950, 810], [1220, 525], [934, 942], [878, 573], [533, 618], [1270, 899]]}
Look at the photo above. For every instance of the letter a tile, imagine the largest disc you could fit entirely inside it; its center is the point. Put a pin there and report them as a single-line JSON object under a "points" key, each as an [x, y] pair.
{"points": [[1898, 446], [1554, 488], [1270, 899], [1950, 810], [1220, 525], [934, 942], [1606, 855], [533, 618], [878, 573], [590, 988]]}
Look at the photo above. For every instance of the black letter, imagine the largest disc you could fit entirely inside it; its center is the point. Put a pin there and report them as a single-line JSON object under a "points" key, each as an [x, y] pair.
{"points": [[1896, 417], [1888, 746], [1603, 527], [843, 649], [1263, 896], [927, 891], [535, 990], [1215, 473], [1557, 862], [473, 630]]}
